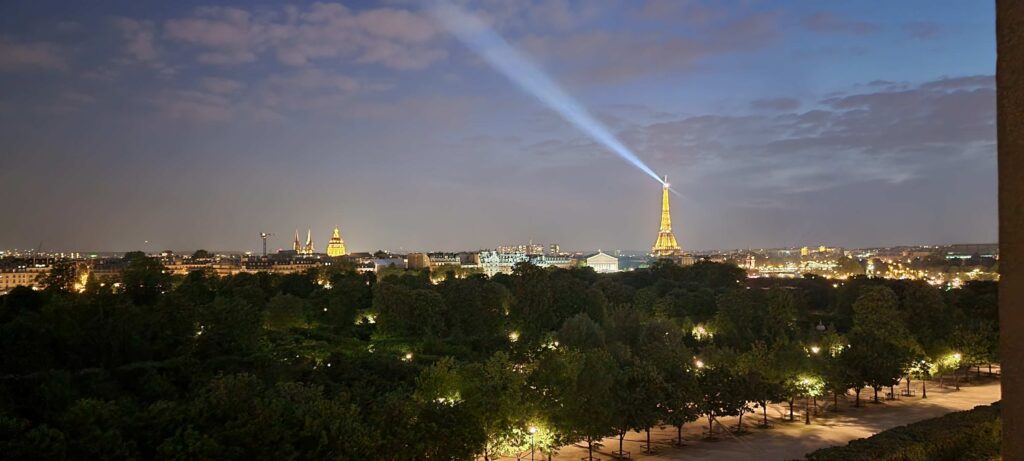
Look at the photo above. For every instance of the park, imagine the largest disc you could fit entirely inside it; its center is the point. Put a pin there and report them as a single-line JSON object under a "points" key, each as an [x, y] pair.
{"points": [[793, 439]]}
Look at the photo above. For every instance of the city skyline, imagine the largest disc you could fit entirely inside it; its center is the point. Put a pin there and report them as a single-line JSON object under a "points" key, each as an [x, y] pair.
{"points": [[780, 124]]}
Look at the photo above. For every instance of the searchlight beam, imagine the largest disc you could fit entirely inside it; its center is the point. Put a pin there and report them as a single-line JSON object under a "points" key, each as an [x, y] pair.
{"points": [[518, 68]]}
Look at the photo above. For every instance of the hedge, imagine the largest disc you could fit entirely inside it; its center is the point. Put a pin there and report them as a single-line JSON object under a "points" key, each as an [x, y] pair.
{"points": [[964, 435]]}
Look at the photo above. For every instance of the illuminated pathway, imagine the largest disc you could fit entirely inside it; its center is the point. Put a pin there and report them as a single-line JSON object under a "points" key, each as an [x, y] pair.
{"points": [[788, 440]]}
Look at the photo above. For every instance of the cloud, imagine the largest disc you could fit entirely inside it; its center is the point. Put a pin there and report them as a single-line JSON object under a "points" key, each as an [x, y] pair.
{"points": [[15, 56], [887, 135], [78, 97], [394, 38], [227, 58], [217, 28], [776, 104], [400, 25], [68, 26], [140, 39], [923, 30], [221, 85], [293, 92], [101, 74], [826, 22], [681, 11], [63, 103], [972, 81], [584, 55], [537, 15], [195, 106]]}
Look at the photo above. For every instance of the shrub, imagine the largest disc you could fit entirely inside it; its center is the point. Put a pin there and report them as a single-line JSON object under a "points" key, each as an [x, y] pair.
{"points": [[964, 435]]}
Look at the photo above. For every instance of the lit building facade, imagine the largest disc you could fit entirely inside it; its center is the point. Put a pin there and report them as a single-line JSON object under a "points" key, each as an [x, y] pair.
{"points": [[494, 262], [417, 261], [335, 246], [602, 263], [25, 276], [529, 249]]}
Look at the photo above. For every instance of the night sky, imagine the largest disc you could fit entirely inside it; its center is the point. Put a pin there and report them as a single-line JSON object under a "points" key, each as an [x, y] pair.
{"points": [[198, 125]]}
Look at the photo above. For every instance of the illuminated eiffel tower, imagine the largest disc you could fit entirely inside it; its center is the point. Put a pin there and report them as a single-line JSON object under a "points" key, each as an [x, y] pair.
{"points": [[665, 245]]}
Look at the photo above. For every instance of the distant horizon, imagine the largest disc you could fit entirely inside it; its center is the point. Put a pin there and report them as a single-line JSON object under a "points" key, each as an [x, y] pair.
{"points": [[563, 250]]}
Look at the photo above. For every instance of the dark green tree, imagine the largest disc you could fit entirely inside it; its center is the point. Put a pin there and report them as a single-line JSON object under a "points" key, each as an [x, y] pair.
{"points": [[144, 279], [61, 278]]}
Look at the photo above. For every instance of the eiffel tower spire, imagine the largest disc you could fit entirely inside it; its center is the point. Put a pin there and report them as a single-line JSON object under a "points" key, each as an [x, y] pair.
{"points": [[666, 244]]}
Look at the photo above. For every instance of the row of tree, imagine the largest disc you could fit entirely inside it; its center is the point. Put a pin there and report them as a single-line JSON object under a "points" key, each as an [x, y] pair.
{"points": [[333, 364]]}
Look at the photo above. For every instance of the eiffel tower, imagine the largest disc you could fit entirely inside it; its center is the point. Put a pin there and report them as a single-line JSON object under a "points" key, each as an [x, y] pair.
{"points": [[665, 245]]}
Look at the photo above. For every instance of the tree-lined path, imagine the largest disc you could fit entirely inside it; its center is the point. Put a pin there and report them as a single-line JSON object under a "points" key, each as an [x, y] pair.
{"points": [[792, 440]]}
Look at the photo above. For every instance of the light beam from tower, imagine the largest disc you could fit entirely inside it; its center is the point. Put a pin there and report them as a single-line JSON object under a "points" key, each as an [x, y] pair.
{"points": [[518, 68]]}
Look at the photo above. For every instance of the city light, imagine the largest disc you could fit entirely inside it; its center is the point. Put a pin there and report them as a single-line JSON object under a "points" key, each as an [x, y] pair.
{"points": [[700, 333]]}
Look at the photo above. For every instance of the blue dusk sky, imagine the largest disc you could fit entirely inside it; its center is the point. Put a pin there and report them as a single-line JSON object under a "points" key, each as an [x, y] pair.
{"points": [[182, 125]]}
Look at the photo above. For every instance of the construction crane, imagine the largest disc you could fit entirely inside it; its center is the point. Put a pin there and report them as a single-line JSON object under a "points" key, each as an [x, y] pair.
{"points": [[264, 235]]}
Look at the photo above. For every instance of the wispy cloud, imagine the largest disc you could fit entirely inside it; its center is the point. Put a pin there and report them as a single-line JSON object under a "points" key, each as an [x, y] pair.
{"points": [[394, 38], [923, 30], [583, 55], [140, 38], [885, 135], [22, 56], [777, 104], [827, 22]]}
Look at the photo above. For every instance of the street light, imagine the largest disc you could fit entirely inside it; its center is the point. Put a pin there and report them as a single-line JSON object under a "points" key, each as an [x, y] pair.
{"points": [[807, 409], [533, 432], [815, 349], [807, 398]]}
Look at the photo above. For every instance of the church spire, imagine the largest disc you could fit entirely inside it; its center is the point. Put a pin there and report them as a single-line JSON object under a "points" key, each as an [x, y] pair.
{"points": [[308, 249], [666, 244], [296, 245]]}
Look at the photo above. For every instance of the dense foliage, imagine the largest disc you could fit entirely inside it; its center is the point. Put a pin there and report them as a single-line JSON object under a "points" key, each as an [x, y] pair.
{"points": [[331, 364], [961, 436]]}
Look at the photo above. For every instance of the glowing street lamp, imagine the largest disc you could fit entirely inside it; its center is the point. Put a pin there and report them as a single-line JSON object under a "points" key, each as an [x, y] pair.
{"points": [[956, 369], [811, 386], [699, 363], [815, 349], [700, 333]]}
